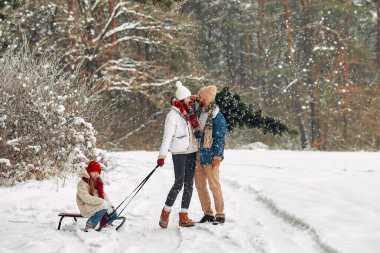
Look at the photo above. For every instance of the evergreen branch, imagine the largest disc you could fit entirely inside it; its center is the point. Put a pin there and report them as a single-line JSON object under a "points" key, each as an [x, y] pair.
{"points": [[239, 114]]}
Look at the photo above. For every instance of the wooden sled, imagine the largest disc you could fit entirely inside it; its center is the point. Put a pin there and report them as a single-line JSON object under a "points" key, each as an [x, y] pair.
{"points": [[77, 215]]}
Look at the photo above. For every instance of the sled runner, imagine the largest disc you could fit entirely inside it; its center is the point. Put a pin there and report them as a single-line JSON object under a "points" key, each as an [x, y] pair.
{"points": [[118, 217], [77, 215]]}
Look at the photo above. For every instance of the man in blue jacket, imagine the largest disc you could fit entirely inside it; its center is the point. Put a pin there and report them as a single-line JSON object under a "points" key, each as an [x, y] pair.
{"points": [[214, 128]]}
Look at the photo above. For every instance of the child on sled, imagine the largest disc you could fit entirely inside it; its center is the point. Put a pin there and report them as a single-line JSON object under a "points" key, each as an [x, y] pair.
{"points": [[92, 201]]}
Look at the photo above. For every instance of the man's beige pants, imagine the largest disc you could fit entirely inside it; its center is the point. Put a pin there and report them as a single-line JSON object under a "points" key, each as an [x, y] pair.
{"points": [[204, 174]]}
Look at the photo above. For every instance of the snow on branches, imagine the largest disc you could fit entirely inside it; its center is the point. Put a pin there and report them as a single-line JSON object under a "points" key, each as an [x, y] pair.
{"points": [[122, 43], [42, 132]]}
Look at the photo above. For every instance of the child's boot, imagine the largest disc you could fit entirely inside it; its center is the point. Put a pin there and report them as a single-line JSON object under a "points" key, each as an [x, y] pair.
{"points": [[88, 227]]}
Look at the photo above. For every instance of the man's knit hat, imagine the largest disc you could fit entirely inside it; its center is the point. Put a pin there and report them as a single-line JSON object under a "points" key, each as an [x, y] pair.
{"points": [[182, 92], [208, 93]]}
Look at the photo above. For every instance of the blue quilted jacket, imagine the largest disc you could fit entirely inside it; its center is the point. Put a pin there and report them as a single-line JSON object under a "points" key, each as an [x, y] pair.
{"points": [[218, 140]]}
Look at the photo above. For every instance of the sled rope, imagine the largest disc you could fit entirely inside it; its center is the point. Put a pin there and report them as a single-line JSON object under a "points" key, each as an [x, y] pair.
{"points": [[136, 190], [139, 188]]}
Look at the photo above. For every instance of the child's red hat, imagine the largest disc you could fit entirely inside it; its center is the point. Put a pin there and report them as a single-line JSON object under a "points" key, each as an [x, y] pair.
{"points": [[94, 166]]}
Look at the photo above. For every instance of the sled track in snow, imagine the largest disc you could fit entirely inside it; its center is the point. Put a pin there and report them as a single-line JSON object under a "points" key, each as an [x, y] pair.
{"points": [[226, 236], [257, 165], [296, 222], [255, 240], [180, 238], [286, 216]]}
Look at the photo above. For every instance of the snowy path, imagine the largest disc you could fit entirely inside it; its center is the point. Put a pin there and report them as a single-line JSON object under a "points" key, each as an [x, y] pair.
{"points": [[276, 201]]}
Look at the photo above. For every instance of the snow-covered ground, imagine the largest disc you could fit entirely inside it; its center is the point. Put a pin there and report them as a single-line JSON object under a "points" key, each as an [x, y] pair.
{"points": [[276, 201]]}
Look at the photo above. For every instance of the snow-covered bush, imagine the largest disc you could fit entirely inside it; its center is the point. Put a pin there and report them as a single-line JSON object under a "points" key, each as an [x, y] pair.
{"points": [[255, 146], [42, 132]]}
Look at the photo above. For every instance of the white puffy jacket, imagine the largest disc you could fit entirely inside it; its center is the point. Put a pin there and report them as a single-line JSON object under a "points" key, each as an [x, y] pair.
{"points": [[176, 138]]}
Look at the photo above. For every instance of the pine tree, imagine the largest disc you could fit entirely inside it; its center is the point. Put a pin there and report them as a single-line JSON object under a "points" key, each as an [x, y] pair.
{"points": [[239, 114]]}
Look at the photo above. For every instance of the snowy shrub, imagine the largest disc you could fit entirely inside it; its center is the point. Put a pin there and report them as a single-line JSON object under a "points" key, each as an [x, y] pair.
{"points": [[42, 132], [255, 146]]}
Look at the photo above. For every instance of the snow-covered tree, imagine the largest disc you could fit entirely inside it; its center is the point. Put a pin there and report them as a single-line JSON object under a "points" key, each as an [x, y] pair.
{"points": [[42, 132], [123, 43]]}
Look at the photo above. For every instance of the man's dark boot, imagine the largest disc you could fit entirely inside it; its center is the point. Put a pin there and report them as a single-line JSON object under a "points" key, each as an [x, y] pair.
{"points": [[207, 218], [219, 220]]}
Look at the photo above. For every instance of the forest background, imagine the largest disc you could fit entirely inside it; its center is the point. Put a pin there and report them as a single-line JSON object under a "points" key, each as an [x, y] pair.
{"points": [[313, 64]]}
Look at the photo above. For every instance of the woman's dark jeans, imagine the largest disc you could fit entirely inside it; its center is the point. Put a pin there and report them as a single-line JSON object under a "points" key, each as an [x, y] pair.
{"points": [[184, 167]]}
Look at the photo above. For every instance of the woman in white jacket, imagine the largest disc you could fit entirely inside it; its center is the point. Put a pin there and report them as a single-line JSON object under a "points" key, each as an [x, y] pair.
{"points": [[180, 138]]}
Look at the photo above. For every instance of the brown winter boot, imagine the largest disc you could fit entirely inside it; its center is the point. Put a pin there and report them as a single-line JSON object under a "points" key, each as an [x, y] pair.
{"points": [[184, 220], [164, 219], [88, 227]]}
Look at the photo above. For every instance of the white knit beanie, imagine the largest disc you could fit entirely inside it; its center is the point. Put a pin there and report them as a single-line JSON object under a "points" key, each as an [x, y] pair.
{"points": [[182, 92]]}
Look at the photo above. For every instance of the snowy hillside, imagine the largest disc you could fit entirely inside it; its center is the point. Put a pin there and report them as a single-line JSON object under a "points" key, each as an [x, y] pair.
{"points": [[276, 201]]}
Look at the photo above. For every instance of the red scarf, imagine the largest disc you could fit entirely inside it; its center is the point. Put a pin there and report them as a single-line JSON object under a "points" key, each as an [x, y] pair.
{"points": [[189, 115], [99, 188]]}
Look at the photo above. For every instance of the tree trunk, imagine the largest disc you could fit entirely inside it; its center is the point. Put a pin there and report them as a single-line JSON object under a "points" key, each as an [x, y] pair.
{"points": [[263, 60], [294, 90], [111, 7], [297, 109], [229, 57], [304, 5], [70, 33], [100, 15], [140, 46], [315, 126], [147, 48], [242, 67], [301, 125], [378, 35], [346, 74], [244, 60], [260, 36], [288, 32], [316, 134], [251, 72]]}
